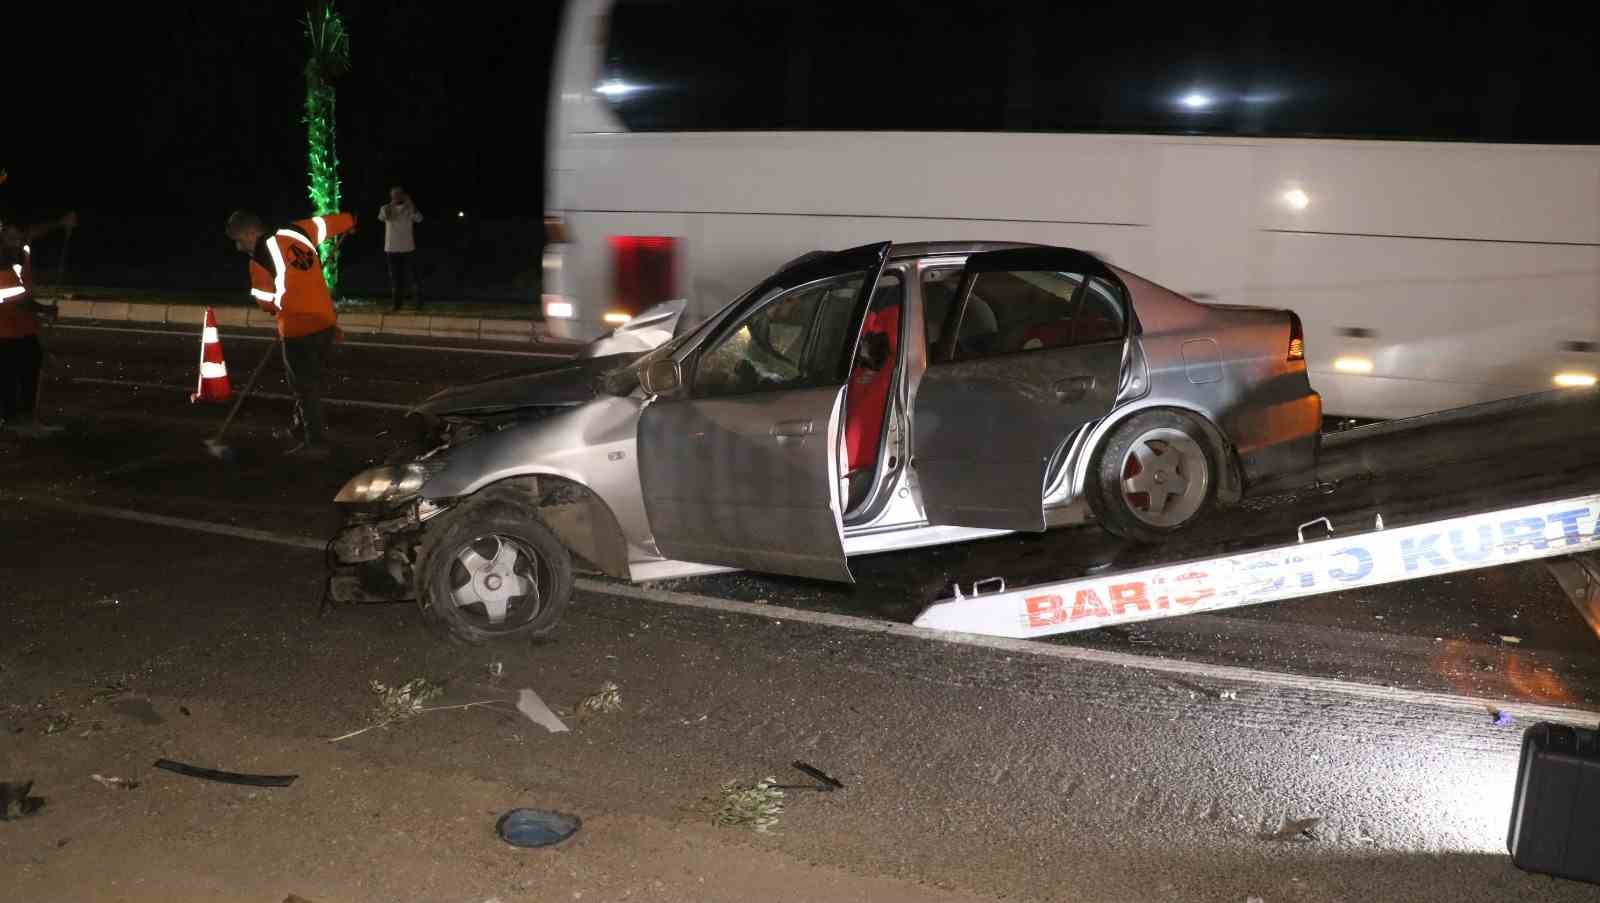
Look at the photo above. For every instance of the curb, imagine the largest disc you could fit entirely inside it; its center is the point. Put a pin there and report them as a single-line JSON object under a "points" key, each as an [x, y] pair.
{"points": [[493, 329]]}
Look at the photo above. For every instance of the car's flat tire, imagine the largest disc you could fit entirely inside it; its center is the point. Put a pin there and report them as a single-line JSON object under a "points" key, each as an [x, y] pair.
{"points": [[461, 588], [1155, 476]]}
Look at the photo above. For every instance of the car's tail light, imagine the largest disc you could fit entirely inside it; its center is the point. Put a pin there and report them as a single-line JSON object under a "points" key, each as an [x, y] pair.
{"points": [[1297, 338]]}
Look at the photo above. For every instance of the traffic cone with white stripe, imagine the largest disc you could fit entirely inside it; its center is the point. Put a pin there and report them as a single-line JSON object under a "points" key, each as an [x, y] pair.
{"points": [[214, 385]]}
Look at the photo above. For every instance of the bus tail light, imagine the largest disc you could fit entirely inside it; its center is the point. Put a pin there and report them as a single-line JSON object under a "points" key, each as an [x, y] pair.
{"points": [[644, 273]]}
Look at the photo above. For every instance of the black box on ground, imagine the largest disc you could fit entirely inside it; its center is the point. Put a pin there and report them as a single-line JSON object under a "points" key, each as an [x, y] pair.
{"points": [[1555, 814]]}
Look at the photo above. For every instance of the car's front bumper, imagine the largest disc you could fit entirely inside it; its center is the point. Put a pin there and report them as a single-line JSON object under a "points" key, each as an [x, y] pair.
{"points": [[373, 557]]}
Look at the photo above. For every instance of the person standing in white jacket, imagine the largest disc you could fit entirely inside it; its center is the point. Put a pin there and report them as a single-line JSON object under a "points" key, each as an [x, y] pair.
{"points": [[399, 244]]}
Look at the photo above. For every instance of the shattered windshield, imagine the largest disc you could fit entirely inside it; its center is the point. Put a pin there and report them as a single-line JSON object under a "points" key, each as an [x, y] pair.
{"points": [[624, 379]]}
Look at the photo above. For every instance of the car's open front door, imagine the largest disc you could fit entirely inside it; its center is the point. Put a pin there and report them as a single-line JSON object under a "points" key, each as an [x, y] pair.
{"points": [[1031, 352], [740, 464]]}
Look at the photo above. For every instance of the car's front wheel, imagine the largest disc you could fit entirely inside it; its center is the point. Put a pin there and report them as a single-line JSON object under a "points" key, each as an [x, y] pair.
{"points": [[490, 570], [1155, 475]]}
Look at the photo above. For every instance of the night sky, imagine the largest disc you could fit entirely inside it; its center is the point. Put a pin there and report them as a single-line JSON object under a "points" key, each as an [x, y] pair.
{"points": [[148, 118]]}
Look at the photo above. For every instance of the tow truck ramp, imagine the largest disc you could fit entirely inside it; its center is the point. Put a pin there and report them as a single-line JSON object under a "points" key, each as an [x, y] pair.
{"points": [[1305, 568], [1550, 511]]}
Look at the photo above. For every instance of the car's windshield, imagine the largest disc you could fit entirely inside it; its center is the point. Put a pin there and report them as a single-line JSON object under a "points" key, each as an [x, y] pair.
{"points": [[622, 380]]}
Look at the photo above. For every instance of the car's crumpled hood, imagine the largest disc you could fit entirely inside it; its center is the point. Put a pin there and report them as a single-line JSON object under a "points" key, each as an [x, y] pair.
{"points": [[564, 385]]}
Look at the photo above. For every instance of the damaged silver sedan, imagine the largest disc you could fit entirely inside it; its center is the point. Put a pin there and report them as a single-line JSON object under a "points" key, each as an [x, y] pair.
{"points": [[884, 397]]}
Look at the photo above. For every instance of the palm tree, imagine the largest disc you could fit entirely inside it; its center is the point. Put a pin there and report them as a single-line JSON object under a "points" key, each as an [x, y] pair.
{"points": [[329, 58]]}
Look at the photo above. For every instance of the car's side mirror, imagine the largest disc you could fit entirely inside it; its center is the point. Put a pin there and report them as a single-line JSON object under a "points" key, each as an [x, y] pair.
{"points": [[661, 376]]}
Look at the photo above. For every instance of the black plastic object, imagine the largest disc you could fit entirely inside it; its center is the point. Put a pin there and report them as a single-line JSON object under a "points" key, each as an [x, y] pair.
{"points": [[1555, 814], [227, 777], [536, 827]]}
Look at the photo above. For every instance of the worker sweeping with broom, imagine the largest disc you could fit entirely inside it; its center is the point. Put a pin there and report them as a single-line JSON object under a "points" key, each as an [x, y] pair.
{"points": [[21, 355], [286, 281]]}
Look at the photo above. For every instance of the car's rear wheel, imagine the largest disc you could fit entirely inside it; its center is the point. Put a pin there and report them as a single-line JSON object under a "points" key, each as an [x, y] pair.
{"points": [[491, 570], [1155, 476]]}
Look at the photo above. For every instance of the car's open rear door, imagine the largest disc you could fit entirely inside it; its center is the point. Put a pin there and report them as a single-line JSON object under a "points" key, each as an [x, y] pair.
{"points": [[994, 409]]}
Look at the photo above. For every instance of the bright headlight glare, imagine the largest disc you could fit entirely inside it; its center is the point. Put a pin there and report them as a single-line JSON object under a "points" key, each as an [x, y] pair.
{"points": [[383, 485]]}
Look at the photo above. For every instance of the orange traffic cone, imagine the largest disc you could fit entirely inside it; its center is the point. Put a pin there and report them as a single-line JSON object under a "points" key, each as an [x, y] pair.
{"points": [[214, 385]]}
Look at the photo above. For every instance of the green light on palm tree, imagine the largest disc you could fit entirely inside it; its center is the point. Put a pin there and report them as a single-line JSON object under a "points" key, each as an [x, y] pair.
{"points": [[328, 59]]}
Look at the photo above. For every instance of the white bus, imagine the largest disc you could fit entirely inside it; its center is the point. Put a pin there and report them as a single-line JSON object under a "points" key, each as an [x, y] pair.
{"points": [[1422, 188]]}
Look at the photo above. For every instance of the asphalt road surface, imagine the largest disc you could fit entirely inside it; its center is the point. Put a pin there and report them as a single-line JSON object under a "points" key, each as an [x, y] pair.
{"points": [[158, 602]]}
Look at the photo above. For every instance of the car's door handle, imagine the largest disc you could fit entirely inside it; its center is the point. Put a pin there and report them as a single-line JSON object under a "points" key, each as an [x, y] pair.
{"points": [[788, 428], [1073, 388]]}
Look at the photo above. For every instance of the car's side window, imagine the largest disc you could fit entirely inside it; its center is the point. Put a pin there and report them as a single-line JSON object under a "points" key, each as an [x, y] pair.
{"points": [[795, 340], [1031, 310]]}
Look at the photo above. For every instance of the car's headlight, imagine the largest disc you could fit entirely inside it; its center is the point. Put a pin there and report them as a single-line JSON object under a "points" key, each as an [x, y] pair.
{"points": [[383, 485]]}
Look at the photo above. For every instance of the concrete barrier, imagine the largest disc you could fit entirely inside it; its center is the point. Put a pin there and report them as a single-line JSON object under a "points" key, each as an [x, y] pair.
{"points": [[416, 325], [506, 330], [147, 313], [226, 316], [75, 310], [405, 324], [362, 324], [116, 311]]}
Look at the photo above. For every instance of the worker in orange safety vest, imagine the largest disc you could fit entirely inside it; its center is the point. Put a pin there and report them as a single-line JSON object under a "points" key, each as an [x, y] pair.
{"points": [[286, 281], [21, 355]]}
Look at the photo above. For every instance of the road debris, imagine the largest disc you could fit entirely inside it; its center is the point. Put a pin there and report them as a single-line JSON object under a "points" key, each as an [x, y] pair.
{"points": [[529, 703], [604, 701], [1510, 640], [496, 670], [1295, 829], [407, 701], [17, 801], [107, 602], [138, 709], [536, 827], [755, 807], [825, 782], [58, 723], [115, 783], [1501, 719], [227, 777]]}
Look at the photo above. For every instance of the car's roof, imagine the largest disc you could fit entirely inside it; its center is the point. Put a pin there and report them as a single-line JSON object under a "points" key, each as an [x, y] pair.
{"points": [[907, 250], [1156, 302]]}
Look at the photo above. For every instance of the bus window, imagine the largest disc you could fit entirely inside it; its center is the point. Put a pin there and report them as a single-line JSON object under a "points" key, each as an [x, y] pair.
{"points": [[1471, 70]]}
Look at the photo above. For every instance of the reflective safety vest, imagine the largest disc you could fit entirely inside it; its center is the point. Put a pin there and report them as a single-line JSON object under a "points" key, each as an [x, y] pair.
{"points": [[16, 289], [286, 274]]}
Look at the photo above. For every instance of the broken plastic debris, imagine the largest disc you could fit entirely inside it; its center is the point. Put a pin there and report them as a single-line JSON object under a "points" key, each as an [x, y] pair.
{"points": [[497, 668], [1502, 719], [825, 782], [16, 801], [1228, 694], [117, 783], [1295, 829], [227, 777], [529, 703], [1511, 640], [536, 827]]}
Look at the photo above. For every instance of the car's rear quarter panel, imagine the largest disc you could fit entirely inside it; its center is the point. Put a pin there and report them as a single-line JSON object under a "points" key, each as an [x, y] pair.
{"points": [[1231, 365]]}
